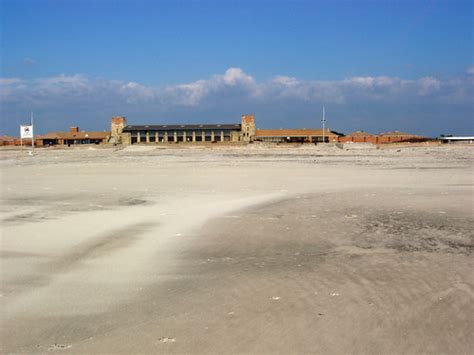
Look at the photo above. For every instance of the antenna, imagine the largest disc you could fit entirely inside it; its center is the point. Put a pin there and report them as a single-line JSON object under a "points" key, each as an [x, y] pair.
{"points": [[324, 122]]}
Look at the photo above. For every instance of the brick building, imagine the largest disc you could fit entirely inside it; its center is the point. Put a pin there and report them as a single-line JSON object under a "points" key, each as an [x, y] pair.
{"points": [[8, 141], [126, 134], [359, 137], [382, 138], [74, 136], [296, 135], [245, 131], [396, 136]]}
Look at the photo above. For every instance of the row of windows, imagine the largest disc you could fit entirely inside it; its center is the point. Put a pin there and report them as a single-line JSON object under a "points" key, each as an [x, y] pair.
{"points": [[171, 138], [161, 134], [292, 139]]}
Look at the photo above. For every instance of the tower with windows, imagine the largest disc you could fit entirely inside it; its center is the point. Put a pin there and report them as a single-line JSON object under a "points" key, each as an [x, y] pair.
{"points": [[248, 128]]}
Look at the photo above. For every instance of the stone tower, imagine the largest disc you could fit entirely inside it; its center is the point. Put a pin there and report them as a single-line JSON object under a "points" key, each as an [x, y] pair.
{"points": [[118, 124], [248, 128]]}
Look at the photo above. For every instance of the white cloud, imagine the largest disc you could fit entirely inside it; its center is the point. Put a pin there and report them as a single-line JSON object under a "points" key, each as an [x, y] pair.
{"points": [[10, 81], [236, 76], [191, 94], [470, 70], [428, 86], [73, 85], [135, 92], [233, 84], [285, 80], [11, 88]]}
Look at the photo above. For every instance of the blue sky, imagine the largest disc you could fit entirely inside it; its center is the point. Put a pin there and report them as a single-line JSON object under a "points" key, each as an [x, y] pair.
{"points": [[376, 65]]}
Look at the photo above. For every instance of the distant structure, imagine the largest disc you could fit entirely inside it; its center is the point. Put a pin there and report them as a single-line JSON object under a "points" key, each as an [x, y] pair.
{"points": [[192, 133], [8, 141], [249, 129], [116, 129], [242, 133], [297, 135], [359, 137], [382, 138], [396, 136], [245, 132], [74, 136], [457, 139]]}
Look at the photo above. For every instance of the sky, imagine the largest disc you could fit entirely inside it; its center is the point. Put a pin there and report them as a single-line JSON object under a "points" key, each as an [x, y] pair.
{"points": [[375, 65]]}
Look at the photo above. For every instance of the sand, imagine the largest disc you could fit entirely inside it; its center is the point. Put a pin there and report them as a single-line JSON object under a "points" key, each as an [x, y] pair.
{"points": [[238, 250]]}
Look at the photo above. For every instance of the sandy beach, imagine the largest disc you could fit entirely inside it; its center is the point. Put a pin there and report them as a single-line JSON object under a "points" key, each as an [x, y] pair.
{"points": [[238, 250]]}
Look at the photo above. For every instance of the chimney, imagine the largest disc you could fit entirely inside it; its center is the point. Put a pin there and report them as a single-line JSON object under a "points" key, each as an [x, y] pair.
{"points": [[74, 129]]}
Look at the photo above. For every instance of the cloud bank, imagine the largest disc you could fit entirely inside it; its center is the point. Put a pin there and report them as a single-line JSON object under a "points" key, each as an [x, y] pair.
{"points": [[232, 90], [236, 83]]}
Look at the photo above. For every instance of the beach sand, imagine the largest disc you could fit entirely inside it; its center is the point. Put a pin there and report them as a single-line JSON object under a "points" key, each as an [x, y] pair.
{"points": [[238, 250]]}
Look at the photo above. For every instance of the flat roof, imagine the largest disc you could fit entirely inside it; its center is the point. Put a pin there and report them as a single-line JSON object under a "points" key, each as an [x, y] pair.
{"points": [[177, 127], [457, 138], [74, 135]]}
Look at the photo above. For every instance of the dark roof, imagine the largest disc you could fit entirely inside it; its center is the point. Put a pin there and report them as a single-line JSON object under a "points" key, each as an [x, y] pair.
{"points": [[177, 127]]}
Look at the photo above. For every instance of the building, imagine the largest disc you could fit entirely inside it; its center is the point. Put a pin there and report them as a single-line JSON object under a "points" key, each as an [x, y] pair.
{"points": [[14, 141], [243, 132], [248, 128], [8, 141], [116, 129], [359, 137], [74, 136], [382, 138], [296, 135], [457, 139], [126, 134], [397, 137]]}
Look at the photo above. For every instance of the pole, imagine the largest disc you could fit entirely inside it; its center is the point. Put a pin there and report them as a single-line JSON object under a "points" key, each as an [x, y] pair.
{"points": [[32, 134], [324, 121]]}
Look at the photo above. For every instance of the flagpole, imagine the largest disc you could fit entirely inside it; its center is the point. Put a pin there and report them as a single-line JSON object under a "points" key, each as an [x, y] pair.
{"points": [[32, 134], [324, 122]]}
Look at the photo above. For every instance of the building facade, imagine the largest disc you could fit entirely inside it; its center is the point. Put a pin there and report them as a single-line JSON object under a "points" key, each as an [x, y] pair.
{"points": [[397, 137], [359, 137], [74, 136], [296, 135], [244, 132], [457, 139], [192, 133], [382, 138]]}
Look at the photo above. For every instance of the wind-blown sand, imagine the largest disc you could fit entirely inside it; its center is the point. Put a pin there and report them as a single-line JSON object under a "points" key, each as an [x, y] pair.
{"points": [[245, 249]]}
